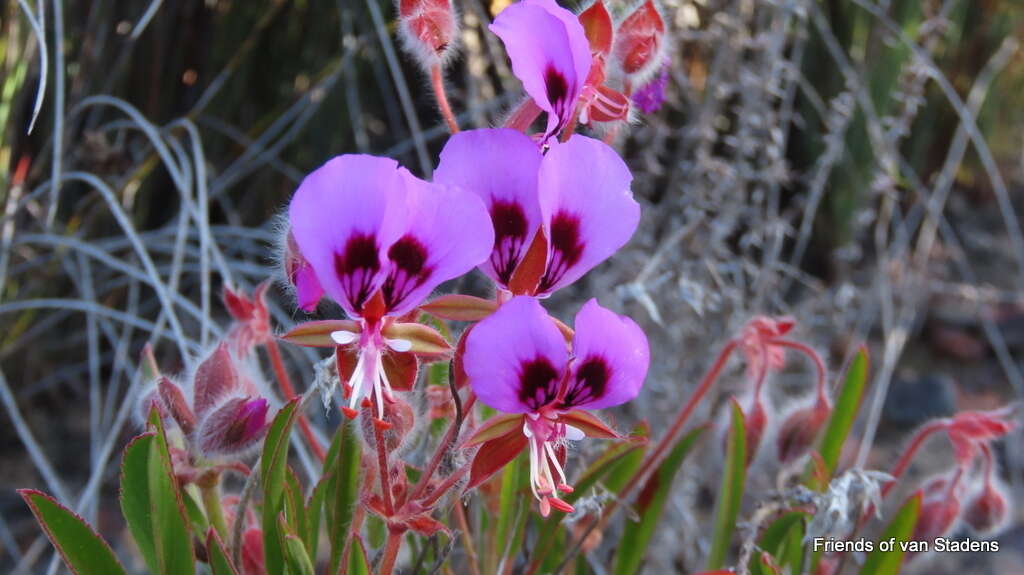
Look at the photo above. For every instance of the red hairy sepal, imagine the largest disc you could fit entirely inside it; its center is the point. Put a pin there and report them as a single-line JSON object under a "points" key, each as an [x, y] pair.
{"points": [[429, 30], [640, 41]]}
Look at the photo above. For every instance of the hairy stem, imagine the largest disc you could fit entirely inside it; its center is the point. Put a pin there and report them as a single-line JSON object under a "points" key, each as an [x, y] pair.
{"points": [[289, 391], [391, 549], [214, 510], [437, 82]]}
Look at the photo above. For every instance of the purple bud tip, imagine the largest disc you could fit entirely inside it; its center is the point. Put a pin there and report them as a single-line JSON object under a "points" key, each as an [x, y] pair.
{"points": [[649, 98], [254, 414]]}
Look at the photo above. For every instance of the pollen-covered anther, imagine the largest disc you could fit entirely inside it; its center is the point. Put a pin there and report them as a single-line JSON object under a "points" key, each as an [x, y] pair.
{"points": [[349, 412], [381, 424], [565, 488], [561, 505]]}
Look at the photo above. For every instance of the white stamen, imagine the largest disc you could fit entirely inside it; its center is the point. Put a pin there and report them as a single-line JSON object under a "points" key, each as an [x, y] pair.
{"points": [[554, 461], [399, 345], [355, 383], [342, 337]]}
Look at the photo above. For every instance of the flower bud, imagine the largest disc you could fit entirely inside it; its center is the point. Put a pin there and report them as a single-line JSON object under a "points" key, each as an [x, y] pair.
{"points": [[252, 553], [800, 430], [756, 421], [649, 98], [301, 277], [940, 508], [173, 401], [640, 41], [428, 29], [233, 428], [987, 511]]}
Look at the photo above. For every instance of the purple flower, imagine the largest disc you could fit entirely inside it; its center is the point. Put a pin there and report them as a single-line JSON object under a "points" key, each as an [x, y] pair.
{"points": [[517, 362], [578, 194], [379, 240], [651, 96], [550, 54]]}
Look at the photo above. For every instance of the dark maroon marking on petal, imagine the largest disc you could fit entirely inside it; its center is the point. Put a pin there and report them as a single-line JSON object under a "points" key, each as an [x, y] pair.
{"points": [[509, 237], [356, 266], [410, 270], [558, 92], [538, 383], [590, 383], [566, 248]]}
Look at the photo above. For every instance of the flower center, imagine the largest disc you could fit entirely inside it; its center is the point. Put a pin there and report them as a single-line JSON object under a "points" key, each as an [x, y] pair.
{"points": [[545, 436]]}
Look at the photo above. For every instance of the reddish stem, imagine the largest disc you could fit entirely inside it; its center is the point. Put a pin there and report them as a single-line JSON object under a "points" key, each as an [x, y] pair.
{"points": [[819, 364], [442, 448], [445, 485], [570, 128], [437, 81], [382, 463], [908, 454], [467, 539], [391, 549], [286, 386]]}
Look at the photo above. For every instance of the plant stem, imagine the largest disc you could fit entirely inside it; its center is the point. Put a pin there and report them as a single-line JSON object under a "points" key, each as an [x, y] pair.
{"points": [[819, 364], [289, 391], [391, 549], [523, 116], [467, 538], [444, 446], [437, 81], [214, 510], [382, 463]]}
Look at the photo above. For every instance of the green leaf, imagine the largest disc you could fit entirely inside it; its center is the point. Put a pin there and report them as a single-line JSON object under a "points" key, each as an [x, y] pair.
{"points": [[220, 564], [650, 505], [314, 511], [358, 564], [83, 551], [294, 504], [783, 540], [901, 528], [153, 505], [513, 481], [342, 491], [273, 472], [843, 414], [731, 492], [298, 560]]}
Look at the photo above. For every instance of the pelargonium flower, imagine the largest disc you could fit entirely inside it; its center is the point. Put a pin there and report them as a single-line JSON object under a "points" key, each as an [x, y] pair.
{"points": [[550, 55], [380, 240], [577, 196], [300, 276], [518, 363]]}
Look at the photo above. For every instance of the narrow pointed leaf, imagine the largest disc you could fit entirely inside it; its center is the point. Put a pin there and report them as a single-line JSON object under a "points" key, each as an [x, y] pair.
{"points": [[425, 340], [273, 470], [650, 505], [730, 494], [358, 563], [81, 548], [220, 563], [901, 528], [297, 558], [845, 411], [342, 492], [779, 540]]}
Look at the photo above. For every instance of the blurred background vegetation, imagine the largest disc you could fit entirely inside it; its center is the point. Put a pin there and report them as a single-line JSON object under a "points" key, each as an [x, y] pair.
{"points": [[808, 156]]}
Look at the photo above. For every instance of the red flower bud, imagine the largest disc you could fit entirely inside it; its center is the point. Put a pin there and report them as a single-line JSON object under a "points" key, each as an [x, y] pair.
{"points": [[940, 508], [428, 29], [987, 511], [252, 553], [399, 419], [639, 42], [800, 430], [233, 428], [174, 402]]}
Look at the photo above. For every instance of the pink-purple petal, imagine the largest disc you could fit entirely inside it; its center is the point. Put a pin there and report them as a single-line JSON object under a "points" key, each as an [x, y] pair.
{"points": [[343, 216], [500, 166], [515, 358], [587, 208], [233, 428], [611, 357], [550, 55], [449, 234]]}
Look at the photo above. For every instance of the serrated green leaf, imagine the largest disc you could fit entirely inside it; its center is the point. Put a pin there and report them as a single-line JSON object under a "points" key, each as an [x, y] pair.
{"points": [[273, 472], [901, 528], [730, 494], [650, 505], [342, 491], [81, 548], [220, 564], [843, 414]]}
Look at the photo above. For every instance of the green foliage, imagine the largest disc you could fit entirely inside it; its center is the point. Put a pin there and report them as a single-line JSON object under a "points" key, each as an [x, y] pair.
{"points": [[83, 550], [340, 490], [650, 506], [274, 473], [731, 492], [783, 539], [900, 528], [844, 413]]}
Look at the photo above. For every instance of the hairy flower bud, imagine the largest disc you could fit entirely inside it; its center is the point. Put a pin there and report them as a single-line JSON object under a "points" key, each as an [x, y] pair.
{"points": [[756, 421], [399, 419], [640, 41], [986, 512], [233, 428], [940, 508], [800, 429], [428, 29]]}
